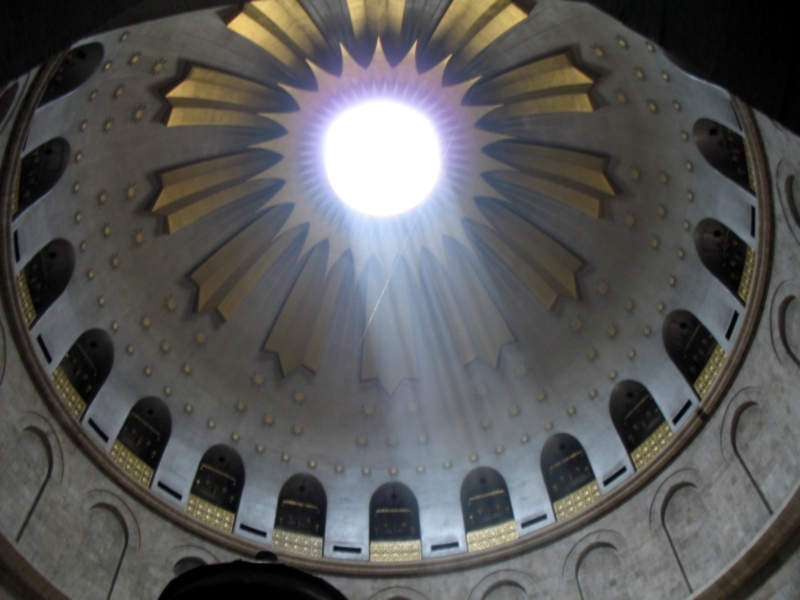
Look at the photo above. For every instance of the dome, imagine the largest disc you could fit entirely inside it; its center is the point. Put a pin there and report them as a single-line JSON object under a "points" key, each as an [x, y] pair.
{"points": [[561, 355]]}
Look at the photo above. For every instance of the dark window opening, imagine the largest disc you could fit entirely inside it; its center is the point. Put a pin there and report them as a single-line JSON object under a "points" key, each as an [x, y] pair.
{"points": [[565, 466], [88, 362], [40, 170], [635, 414], [78, 65], [724, 150], [722, 252], [689, 344], [393, 514], [220, 478], [484, 500], [146, 431], [48, 273], [302, 505]]}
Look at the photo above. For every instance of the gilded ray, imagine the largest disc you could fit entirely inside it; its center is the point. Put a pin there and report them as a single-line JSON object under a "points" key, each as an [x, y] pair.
{"points": [[576, 179], [194, 191], [373, 19], [285, 30]]}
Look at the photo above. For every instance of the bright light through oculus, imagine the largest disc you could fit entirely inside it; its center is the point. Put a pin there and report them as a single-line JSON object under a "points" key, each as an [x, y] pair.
{"points": [[382, 158]]}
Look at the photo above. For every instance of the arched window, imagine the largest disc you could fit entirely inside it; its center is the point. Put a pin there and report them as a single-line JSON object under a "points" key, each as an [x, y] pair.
{"points": [[486, 508], [394, 533], [727, 257], [39, 171], [639, 422], [300, 520], [45, 278], [84, 370], [568, 476], [693, 350], [78, 65], [143, 439], [217, 488], [724, 150]]}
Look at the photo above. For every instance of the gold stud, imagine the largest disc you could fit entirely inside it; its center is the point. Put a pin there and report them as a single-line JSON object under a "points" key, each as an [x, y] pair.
{"points": [[129, 349], [631, 354], [241, 406], [312, 464], [647, 331], [612, 331], [690, 196], [93, 96], [235, 437], [118, 91], [78, 217], [90, 274], [170, 303], [134, 59], [630, 220], [130, 191], [686, 225], [391, 442], [362, 441], [420, 469], [521, 370], [108, 125], [423, 439], [593, 393], [689, 165], [138, 113], [148, 370], [167, 390], [629, 305], [158, 66], [200, 338], [673, 280], [665, 76], [259, 448], [369, 410], [115, 326], [542, 395], [685, 136], [413, 408], [269, 420], [258, 379], [83, 126], [639, 72], [677, 106], [188, 408], [635, 174], [591, 354], [599, 52], [447, 464], [78, 156], [623, 43], [102, 197], [499, 450], [548, 426], [486, 423], [124, 36], [652, 106], [612, 376], [660, 306], [655, 242], [514, 411], [571, 411], [83, 246], [297, 430], [681, 253], [473, 458], [622, 98], [525, 439], [101, 301], [115, 261], [285, 457], [138, 237], [298, 397], [107, 66], [650, 47], [661, 210], [576, 325], [339, 469], [186, 368], [602, 289], [366, 471], [146, 322], [393, 471]]}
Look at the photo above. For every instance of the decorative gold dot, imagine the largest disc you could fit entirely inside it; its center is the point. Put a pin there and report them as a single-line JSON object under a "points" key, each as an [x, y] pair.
{"points": [[235, 437], [548, 426], [413, 408], [686, 225], [592, 354], [661, 210], [599, 52], [167, 390], [78, 217], [525, 439], [631, 354], [630, 220], [486, 423], [134, 59], [635, 174], [362, 441], [393, 471], [650, 47], [514, 411], [639, 72], [78, 156], [129, 349], [576, 325], [473, 458], [685, 136], [366, 471], [499, 450], [665, 76], [101, 301], [170, 303], [689, 165], [571, 411], [258, 379], [521, 370], [138, 237], [647, 331], [148, 370], [158, 66], [593, 393], [259, 448], [542, 395], [118, 91], [200, 338], [269, 420], [115, 261], [107, 66], [124, 36], [673, 280], [690, 196], [297, 430], [83, 246], [93, 96], [612, 331], [613, 375], [623, 43], [447, 464], [76, 187], [106, 231], [677, 106], [188, 408], [663, 177], [90, 274], [285, 457], [622, 98], [108, 125], [629, 305], [241, 406], [146, 322], [420, 469], [186, 368], [115, 326], [312, 464], [652, 106], [83, 126], [138, 113], [102, 197], [423, 439], [339, 469], [369, 410], [482, 390], [602, 289], [660, 306], [391, 442], [298, 397], [654, 242]]}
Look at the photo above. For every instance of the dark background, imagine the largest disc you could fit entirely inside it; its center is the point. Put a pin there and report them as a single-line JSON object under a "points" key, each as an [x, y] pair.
{"points": [[746, 46]]}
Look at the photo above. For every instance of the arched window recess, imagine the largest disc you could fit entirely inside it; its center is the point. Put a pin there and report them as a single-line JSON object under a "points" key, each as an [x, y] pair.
{"points": [[83, 370], [569, 477], [300, 518], [394, 534], [726, 151], [727, 257], [486, 508], [45, 278], [693, 349], [217, 488], [77, 67], [39, 171], [639, 422], [142, 440]]}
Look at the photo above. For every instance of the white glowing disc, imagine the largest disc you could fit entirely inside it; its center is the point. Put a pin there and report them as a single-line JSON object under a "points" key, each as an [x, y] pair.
{"points": [[382, 158]]}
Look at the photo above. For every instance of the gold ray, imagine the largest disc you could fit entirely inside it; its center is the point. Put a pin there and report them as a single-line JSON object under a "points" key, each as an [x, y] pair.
{"points": [[476, 325], [285, 30], [227, 277], [389, 354], [469, 27], [194, 191], [575, 178], [563, 103], [376, 19]]}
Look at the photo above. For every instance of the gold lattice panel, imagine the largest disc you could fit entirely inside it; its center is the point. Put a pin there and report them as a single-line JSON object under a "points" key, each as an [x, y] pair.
{"points": [[710, 372], [208, 513], [491, 536], [648, 449], [577, 501], [68, 393], [395, 551], [307, 545], [747, 274], [25, 299], [133, 465]]}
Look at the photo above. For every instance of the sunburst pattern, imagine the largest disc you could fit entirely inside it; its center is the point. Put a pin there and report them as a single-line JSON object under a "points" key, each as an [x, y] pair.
{"points": [[281, 177]]}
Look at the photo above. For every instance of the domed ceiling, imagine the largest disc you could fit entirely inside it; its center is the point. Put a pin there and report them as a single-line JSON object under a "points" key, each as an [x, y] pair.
{"points": [[220, 274]]}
